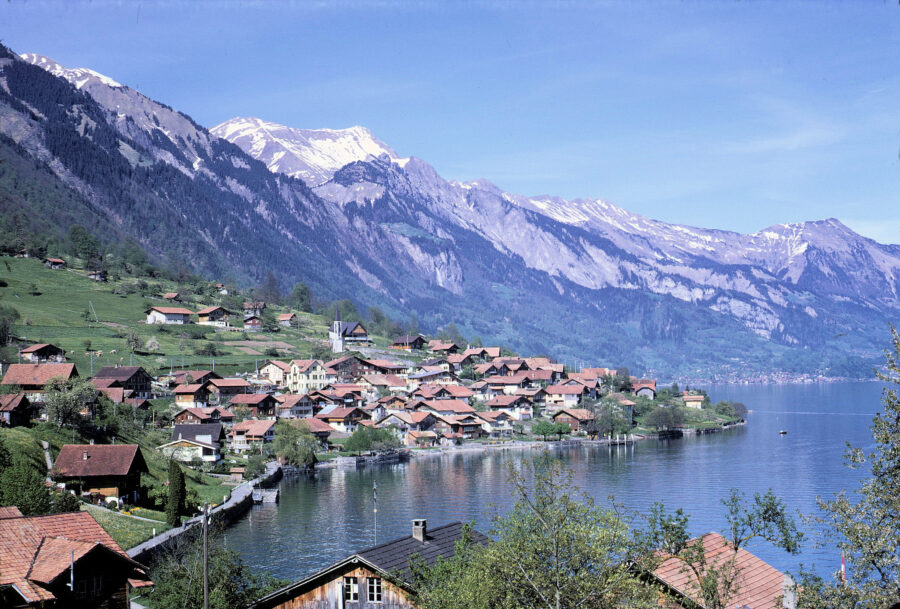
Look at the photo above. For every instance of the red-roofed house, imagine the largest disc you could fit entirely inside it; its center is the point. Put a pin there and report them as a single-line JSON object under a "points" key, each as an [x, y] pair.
{"points": [[307, 375], [15, 410], [276, 371], [43, 352], [644, 387], [112, 470], [516, 406], [343, 419], [261, 405], [251, 435], [41, 555], [225, 389], [214, 316], [172, 296], [288, 319], [565, 396], [55, 263], [168, 315], [447, 407], [576, 418], [32, 377], [216, 414], [293, 406], [195, 395], [757, 584]]}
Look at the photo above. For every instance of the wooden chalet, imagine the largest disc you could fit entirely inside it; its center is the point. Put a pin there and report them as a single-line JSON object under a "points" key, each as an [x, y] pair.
{"points": [[409, 343], [446, 407], [375, 577], [320, 429], [15, 410], [576, 418], [224, 389], [111, 470], [517, 406], [443, 348], [193, 416], [292, 406], [343, 418], [55, 263], [43, 352], [32, 378], [251, 435], [168, 315], [261, 405], [194, 395], [431, 391], [214, 316], [254, 323], [350, 368], [288, 320], [43, 555], [199, 442], [132, 378]]}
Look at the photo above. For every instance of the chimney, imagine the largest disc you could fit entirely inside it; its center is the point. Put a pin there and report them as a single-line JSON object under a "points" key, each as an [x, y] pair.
{"points": [[419, 529], [84, 455]]}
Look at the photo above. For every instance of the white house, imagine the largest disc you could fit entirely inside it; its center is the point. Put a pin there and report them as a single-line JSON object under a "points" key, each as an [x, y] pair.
{"points": [[168, 315]]}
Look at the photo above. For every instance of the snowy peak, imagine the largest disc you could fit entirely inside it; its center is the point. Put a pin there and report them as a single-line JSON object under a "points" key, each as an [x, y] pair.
{"points": [[313, 155], [79, 77]]}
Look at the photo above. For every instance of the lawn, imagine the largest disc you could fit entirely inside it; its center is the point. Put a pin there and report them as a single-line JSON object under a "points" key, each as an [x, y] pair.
{"points": [[21, 443], [127, 531]]}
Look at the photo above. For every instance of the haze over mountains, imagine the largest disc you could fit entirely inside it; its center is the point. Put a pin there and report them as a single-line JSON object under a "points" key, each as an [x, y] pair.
{"points": [[342, 211]]}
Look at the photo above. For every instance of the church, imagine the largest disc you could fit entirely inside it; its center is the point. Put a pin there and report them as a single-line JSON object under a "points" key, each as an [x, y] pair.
{"points": [[346, 334]]}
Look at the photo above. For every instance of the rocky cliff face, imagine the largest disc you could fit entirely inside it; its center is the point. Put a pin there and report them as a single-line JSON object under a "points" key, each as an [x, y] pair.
{"points": [[339, 209]]}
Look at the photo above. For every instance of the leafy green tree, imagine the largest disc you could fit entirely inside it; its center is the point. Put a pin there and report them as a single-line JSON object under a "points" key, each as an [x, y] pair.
{"points": [[294, 444], [65, 399], [555, 549], [175, 505], [543, 429], [8, 316], [5, 456], [64, 502], [561, 429], [716, 580], [231, 583], [301, 297], [866, 524], [23, 486], [256, 467], [662, 418], [133, 341], [365, 438]]}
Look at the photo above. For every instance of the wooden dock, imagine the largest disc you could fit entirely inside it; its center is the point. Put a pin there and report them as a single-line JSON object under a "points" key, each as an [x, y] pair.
{"points": [[265, 495]]}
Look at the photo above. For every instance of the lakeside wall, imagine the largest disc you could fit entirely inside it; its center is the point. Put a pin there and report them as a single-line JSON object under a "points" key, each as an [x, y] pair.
{"points": [[240, 500]]}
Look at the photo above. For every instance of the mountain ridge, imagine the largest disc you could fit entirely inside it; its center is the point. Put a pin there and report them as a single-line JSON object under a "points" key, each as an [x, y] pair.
{"points": [[586, 279]]}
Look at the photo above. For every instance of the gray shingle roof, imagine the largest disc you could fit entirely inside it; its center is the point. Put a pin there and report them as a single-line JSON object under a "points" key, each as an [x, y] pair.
{"points": [[191, 431]]}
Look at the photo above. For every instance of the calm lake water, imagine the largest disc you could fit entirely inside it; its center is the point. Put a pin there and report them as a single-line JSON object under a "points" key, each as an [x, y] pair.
{"points": [[323, 519]]}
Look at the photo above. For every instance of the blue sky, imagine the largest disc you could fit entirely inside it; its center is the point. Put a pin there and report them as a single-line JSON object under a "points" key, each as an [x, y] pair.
{"points": [[732, 115]]}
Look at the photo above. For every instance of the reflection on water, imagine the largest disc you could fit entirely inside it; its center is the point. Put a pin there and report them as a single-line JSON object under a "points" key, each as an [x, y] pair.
{"points": [[321, 519]]}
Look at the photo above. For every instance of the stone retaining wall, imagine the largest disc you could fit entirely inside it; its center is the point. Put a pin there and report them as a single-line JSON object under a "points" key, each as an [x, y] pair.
{"points": [[240, 500]]}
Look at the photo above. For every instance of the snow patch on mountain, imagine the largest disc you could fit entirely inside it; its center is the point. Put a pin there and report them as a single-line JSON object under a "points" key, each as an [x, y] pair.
{"points": [[77, 76]]}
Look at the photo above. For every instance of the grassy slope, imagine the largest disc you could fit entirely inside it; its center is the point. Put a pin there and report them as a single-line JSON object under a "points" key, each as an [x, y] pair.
{"points": [[128, 532]]}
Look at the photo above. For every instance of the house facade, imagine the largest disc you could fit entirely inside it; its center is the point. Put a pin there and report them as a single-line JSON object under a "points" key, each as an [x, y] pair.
{"points": [[43, 352], [219, 317], [168, 315], [111, 470], [306, 375], [130, 378]]}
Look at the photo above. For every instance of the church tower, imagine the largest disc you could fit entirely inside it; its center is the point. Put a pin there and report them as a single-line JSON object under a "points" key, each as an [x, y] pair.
{"points": [[337, 332]]}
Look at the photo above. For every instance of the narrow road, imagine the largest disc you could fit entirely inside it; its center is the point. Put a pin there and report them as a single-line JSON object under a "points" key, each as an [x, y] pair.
{"points": [[47, 458]]}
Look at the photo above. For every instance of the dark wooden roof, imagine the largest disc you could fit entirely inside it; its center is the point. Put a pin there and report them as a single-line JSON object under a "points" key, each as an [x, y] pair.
{"points": [[102, 460], [121, 373], [190, 432]]}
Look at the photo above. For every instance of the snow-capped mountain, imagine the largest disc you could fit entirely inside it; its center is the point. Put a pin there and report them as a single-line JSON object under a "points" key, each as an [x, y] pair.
{"points": [[312, 155], [342, 211]]}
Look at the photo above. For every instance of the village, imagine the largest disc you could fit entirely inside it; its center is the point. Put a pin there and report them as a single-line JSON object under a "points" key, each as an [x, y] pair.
{"points": [[407, 397]]}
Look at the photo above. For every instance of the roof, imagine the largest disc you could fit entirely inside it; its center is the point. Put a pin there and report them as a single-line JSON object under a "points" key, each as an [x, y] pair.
{"points": [[407, 339], [120, 373], [758, 584], [338, 413], [251, 398], [208, 310], [189, 389], [38, 347], [566, 389], [287, 316], [169, 295], [102, 460], [38, 549], [278, 364], [171, 310], [304, 364], [56, 260], [12, 401], [318, 426], [579, 414], [506, 400], [454, 406], [229, 382], [190, 432], [37, 374], [253, 427]]}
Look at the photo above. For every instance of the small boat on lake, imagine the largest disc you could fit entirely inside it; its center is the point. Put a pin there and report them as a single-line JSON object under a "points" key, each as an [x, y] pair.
{"points": [[783, 432]]}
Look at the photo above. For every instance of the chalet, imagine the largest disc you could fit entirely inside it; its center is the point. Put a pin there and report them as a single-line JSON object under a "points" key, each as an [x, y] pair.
{"points": [[55, 263], [219, 317], [565, 396], [194, 416], [251, 435], [518, 407], [443, 348], [200, 442], [386, 382], [33, 377], [43, 555], [405, 421], [341, 333], [276, 371], [409, 343], [420, 439], [182, 377], [43, 352], [97, 275], [350, 368], [496, 423], [492, 369], [393, 402], [222, 390], [443, 392], [538, 397], [195, 395], [458, 360], [342, 418], [693, 400], [436, 362], [447, 407], [288, 319], [254, 309], [576, 418], [15, 410], [295, 406], [757, 584], [172, 296], [380, 576], [307, 375], [168, 315], [476, 352], [430, 374], [467, 426], [254, 323], [644, 388], [133, 378], [320, 429], [261, 405], [112, 470], [383, 366]]}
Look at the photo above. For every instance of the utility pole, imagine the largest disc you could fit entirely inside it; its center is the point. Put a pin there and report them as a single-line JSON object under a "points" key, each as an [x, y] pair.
{"points": [[205, 556]]}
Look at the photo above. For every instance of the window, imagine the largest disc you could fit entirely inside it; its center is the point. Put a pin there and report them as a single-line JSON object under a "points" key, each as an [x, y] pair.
{"points": [[374, 592], [351, 589]]}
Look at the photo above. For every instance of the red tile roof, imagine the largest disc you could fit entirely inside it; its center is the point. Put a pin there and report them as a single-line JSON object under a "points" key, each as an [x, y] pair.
{"points": [[37, 374], [37, 347], [208, 310], [305, 364], [11, 401], [170, 295], [251, 398], [566, 389], [318, 426], [256, 429], [758, 584], [579, 414], [279, 364], [454, 406], [287, 316], [229, 382], [102, 460], [171, 310]]}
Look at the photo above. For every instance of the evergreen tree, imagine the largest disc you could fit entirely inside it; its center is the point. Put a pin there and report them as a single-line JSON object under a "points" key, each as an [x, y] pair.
{"points": [[269, 290], [175, 504], [301, 297]]}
